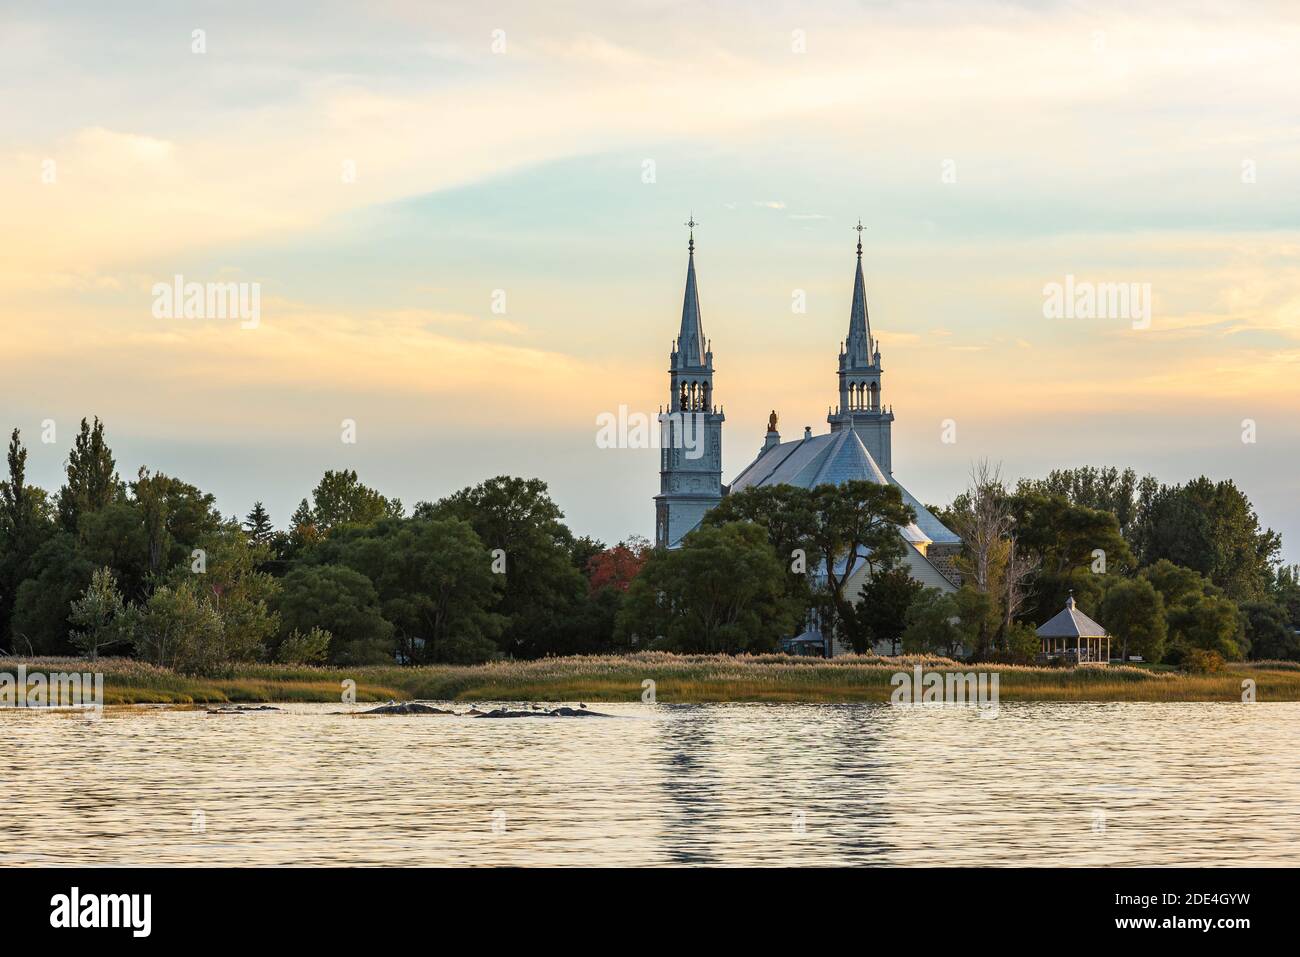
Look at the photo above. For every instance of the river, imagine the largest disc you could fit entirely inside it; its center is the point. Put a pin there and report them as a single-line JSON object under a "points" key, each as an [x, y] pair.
{"points": [[718, 784]]}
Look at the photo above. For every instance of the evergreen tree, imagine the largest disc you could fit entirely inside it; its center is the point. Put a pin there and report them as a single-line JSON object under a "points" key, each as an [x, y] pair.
{"points": [[25, 525], [92, 477], [258, 525], [97, 615]]}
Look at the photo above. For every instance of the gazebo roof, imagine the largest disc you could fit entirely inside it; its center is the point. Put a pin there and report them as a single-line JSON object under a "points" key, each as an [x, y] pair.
{"points": [[1071, 623]]}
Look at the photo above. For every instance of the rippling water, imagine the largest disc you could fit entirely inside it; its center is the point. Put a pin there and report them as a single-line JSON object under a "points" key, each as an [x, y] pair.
{"points": [[742, 784]]}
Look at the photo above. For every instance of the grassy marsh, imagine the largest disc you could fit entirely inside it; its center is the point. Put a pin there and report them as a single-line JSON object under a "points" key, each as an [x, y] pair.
{"points": [[677, 678]]}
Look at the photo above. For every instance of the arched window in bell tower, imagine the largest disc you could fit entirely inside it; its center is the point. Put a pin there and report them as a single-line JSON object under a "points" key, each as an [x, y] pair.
{"points": [[875, 396]]}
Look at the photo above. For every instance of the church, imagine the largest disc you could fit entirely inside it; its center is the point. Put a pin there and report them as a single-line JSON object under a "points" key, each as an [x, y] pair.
{"points": [[858, 446]]}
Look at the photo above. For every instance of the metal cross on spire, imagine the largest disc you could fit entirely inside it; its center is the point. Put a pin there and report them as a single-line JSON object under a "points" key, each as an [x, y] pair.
{"points": [[859, 227], [692, 224]]}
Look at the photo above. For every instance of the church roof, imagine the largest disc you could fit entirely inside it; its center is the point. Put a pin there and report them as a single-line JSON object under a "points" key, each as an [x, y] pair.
{"points": [[939, 533], [830, 459], [1071, 623], [690, 341]]}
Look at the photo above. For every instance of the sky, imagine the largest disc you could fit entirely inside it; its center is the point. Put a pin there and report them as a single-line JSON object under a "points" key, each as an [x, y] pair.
{"points": [[466, 227]]}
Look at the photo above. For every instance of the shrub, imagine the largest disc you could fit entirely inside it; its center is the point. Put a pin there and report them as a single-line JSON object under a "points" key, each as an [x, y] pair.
{"points": [[304, 649], [1202, 662]]}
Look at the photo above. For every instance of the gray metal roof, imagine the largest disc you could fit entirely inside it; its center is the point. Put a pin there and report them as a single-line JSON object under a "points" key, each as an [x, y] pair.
{"points": [[830, 459], [1071, 623]]}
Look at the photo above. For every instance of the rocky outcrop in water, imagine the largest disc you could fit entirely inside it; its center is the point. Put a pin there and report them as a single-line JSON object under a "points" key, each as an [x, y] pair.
{"points": [[242, 709], [410, 707], [542, 713]]}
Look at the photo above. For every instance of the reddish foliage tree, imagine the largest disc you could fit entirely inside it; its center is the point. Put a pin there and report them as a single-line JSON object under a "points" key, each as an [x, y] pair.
{"points": [[616, 567]]}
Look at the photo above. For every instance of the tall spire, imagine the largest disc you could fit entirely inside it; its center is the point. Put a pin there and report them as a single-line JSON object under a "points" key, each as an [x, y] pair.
{"points": [[859, 341], [690, 342]]}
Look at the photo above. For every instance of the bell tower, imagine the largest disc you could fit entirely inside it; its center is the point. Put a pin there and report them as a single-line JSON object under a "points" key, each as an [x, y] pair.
{"points": [[860, 372], [690, 449]]}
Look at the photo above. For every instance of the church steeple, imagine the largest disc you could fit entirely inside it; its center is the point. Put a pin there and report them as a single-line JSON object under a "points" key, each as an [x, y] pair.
{"points": [[689, 349], [860, 371], [859, 341], [690, 467]]}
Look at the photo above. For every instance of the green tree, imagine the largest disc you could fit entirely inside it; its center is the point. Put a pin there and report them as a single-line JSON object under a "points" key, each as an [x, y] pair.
{"points": [[232, 583], [258, 525], [178, 629], [1107, 489], [434, 582], [1133, 611], [26, 524], [1211, 623], [722, 591], [1197, 612], [1072, 543], [932, 624], [853, 524], [881, 612], [340, 499], [1286, 592], [304, 649], [1269, 632], [978, 617], [543, 590], [787, 513], [59, 573], [342, 601], [96, 616], [1022, 642], [1210, 527], [92, 481]]}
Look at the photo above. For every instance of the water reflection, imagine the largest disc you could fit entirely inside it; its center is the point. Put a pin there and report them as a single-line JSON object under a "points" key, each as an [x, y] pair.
{"points": [[745, 784]]}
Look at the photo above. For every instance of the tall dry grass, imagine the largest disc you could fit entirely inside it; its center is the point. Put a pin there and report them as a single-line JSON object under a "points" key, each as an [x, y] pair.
{"points": [[677, 678]]}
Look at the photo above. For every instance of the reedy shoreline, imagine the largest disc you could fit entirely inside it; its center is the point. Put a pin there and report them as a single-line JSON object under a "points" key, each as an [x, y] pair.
{"points": [[677, 678]]}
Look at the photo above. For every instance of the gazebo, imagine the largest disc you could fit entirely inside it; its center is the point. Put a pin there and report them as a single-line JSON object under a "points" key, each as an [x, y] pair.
{"points": [[1073, 632]]}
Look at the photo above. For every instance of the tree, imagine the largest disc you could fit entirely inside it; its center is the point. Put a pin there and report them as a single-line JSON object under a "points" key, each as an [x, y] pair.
{"points": [[785, 512], [1022, 642], [1286, 592], [520, 525], [258, 525], [342, 601], [853, 524], [1133, 611], [978, 617], [304, 649], [1212, 528], [340, 499], [58, 574], [176, 628], [25, 525], [434, 582], [992, 561], [1269, 632], [932, 624], [1197, 613], [96, 616], [1073, 544], [722, 591], [881, 612], [584, 548], [1211, 623], [92, 481], [1106, 489], [616, 567], [231, 581]]}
